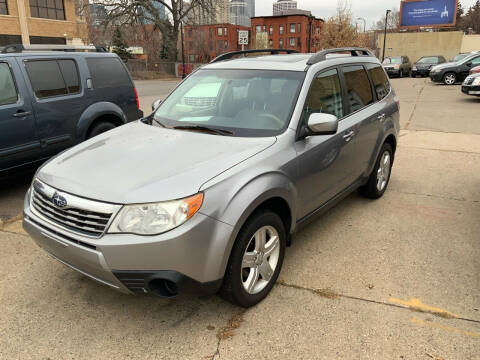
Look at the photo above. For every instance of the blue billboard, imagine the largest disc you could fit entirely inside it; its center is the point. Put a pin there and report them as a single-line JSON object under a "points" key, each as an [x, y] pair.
{"points": [[428, 13]]}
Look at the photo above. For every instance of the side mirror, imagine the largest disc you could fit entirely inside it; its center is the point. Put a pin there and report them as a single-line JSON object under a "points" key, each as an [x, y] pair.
{"points": [[469, 64], [156, 104], [322, 124]]}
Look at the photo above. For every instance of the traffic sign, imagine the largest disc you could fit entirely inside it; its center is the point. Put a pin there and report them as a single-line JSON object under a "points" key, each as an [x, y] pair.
{"points": [[243, 37]]}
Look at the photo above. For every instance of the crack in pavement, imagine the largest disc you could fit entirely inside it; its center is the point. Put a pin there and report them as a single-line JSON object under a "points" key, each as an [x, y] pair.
{"points": [[443, 150], [415, 105], [436, 196], [412, 307], [227, 332]]}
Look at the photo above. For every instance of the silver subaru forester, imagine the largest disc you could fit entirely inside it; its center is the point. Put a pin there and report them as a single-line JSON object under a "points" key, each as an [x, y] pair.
{"points": [[205, 193]]}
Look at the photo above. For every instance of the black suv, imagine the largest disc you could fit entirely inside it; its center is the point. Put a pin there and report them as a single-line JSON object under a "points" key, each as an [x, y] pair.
{"points": [[453, 72], [52, 100], [424, 64]]}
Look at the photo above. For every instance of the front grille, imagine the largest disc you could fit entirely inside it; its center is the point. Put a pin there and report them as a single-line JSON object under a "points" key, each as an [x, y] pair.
{"points": [[82, 221]]}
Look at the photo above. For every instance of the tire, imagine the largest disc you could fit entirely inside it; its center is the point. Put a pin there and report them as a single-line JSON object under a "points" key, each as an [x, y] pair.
{"points": [[400, 74], [379, 178], [450, 78], [100, 128], [246, 286]]}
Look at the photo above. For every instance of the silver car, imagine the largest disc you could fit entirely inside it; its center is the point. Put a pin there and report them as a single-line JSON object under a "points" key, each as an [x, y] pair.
{"points": [[204, 195]]}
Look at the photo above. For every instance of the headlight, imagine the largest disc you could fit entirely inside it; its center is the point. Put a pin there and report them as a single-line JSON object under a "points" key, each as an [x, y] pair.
{"points": [[155, 218], [476, 81], [414, 68]]}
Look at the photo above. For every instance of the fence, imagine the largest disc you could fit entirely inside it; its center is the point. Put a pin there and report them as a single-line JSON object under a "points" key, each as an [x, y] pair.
{"points": [[171, 68]]}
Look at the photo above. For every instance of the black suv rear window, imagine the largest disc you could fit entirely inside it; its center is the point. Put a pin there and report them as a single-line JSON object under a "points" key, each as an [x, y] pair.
{"points": [[53, 77], [108, 73]]}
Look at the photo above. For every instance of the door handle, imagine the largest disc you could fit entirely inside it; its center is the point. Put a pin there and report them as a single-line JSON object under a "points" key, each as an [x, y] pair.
{"points": [[349, 136], [381, 117], [21, 113]]}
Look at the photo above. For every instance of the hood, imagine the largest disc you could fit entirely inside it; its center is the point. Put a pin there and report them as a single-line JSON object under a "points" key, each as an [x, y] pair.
{"points": [[444, 65], [423, 65], [138, 163]]}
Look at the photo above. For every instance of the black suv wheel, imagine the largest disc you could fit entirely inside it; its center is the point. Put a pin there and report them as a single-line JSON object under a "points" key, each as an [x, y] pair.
{"points": [[100, 128]]}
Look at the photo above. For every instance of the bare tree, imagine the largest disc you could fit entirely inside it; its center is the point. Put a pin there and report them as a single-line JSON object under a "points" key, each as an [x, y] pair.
{"points": [[130, 12], [393, 21], [338, 31]]}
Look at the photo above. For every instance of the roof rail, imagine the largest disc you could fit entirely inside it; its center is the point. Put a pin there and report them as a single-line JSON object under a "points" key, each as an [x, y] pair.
{"points": [[229, 55], [18, 48], [322, 55]]}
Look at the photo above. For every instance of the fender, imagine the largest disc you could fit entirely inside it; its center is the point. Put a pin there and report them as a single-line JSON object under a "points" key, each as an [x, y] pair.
{"points": [[93, 112], [378, 147], [243, 203]]}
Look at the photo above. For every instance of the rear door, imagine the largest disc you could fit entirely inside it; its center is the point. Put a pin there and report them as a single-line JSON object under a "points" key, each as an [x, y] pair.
{"points": [[18, 141], [58, 100]]}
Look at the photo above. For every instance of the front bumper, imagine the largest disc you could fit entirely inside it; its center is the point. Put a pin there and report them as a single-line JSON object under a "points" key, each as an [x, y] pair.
{"points": [[471, 90], [190, 256], [393, 72], [436, 77], [421, 72]]}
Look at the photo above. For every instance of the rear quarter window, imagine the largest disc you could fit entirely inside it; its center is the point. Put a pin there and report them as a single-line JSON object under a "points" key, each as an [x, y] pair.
{"points": [[108, 73], [379, 79]]}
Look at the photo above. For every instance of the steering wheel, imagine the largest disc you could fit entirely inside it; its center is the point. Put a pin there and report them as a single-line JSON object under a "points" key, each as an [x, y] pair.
{"points": [[273, 118]]}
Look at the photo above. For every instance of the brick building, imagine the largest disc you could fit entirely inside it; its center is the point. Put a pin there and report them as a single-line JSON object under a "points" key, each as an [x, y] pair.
{"points": [[298, 32], [204, 42], [41, 22]]}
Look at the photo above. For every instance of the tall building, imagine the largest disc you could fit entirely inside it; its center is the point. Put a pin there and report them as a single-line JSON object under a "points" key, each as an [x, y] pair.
{"points": [[283, 5], [149, 16], [42, 22], [98, 14], [218, 14], [239, 12], [251, 8]]}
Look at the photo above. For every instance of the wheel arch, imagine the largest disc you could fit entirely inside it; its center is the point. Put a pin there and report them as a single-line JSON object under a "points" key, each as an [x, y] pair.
{"points": [[106, 111]]}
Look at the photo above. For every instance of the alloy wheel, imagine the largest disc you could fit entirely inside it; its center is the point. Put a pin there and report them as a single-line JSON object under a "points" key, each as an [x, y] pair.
{"points": [[450, 79], [383, 171], [260, 259]]}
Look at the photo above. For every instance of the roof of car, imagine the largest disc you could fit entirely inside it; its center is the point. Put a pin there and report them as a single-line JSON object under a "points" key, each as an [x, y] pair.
{"points": [[56, 54], [289, 62]]}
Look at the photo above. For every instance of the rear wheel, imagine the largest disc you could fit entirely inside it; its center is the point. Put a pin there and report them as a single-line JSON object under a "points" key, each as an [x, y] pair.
{"points": [[449, 78], [379, 178], [256, 259], [100, 128], [400, 75]]}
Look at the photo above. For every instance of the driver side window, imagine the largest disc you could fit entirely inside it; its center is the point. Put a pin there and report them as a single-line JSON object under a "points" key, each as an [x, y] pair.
{"points": [[476, 61], [325, 96]]}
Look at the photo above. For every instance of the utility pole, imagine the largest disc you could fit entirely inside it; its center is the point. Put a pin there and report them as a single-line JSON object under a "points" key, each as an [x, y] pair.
{"points": [[364, 23], [184, 75], [385, 34]]}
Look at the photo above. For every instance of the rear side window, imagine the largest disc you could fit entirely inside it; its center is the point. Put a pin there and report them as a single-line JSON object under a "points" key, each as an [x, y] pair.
{"points": [[379, 79], [108, 73], [358, 89], [53, 77], [8, 91]]}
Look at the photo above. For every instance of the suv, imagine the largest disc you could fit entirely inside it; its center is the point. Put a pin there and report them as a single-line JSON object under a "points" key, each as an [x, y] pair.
{"points": [[52, 100], [451, 73], [206, 197], [424, 64], [397, 66]]}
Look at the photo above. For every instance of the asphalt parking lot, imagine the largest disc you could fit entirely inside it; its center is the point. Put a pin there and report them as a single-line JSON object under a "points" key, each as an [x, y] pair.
{"points": [[397, 278]]}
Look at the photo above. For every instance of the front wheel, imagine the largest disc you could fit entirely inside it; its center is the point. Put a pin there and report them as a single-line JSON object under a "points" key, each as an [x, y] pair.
{"points": [[449, 78], [256, 259], [400, 75], [380, 176]]}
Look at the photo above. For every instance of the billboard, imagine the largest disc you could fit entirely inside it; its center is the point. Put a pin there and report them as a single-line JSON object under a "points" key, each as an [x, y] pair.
{"points": [[435, 13]]}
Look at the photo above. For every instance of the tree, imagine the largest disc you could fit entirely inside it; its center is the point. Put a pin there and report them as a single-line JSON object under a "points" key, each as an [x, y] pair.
{"points": [[119, 46], [338, 30], [393, 21], [123, 12]]}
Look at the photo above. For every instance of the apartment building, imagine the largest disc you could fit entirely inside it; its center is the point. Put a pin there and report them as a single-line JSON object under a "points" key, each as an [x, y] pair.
{"points": [[299, 32], [42, 22]]}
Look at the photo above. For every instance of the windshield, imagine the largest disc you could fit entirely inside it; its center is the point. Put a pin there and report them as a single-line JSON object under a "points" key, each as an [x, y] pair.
{"points": [[393, 60], [428, 60], [460, 57], [250, 103]]}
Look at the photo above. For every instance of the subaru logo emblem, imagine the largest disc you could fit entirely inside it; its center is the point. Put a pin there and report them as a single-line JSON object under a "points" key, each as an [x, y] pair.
{"points": [[59, 201]]}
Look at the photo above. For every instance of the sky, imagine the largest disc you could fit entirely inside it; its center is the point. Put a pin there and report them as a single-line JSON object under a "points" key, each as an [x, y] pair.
{"points": [[371, 10]]}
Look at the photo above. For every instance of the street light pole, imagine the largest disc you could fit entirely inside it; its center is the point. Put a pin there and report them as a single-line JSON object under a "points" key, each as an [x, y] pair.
{"points": [[183, 46], [364, 23], [385, 34]]}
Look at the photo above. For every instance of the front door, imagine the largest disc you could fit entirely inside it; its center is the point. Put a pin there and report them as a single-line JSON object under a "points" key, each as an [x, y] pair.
{"points": [[326, 161], [18, 141]]}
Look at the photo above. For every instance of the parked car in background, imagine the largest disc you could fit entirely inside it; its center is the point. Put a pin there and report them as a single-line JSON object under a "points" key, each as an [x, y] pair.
{"points": [[424, 64], [475, 70], [451, 73], [201, 199], [462, 56], [471, 85], [52, 100], [397, 66]]}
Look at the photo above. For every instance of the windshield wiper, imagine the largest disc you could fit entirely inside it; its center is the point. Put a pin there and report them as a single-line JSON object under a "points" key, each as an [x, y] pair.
{"points": [[204, 129]]}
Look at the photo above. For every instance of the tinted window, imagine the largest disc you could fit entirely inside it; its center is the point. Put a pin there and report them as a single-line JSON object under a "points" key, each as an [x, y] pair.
{"points": [[70, 75], [476, 61], [49, 9], [358, 87], [325, 96], [379, 79], [8, 92], [107, 73], [428, 60], [46, 78]]}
